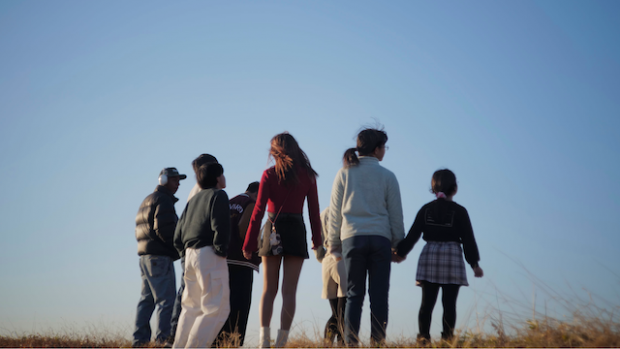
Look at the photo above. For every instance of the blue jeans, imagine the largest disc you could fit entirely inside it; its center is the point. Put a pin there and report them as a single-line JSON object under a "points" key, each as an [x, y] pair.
{"points": [[373, 255], [176, 310], [158, 288]]}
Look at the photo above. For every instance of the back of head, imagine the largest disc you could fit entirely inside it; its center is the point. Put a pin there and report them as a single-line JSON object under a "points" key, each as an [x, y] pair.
{"points": [[367, 141], [201, 160], [443, 181], [252, 188], [207, 175], [287, 154]]}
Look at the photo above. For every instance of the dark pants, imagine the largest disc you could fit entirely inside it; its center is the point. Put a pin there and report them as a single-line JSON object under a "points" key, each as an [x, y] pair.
{"points": [[334, 329], [240, 279], [430, 291], [176, 310], [370, 255]]}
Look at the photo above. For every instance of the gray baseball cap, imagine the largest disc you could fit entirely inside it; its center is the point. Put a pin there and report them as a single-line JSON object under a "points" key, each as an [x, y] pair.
{"points": [[172, 172]]}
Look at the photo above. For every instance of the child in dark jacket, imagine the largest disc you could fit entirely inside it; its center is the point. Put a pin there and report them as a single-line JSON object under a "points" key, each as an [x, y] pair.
{"points": [[203, 233], [446, 226]]}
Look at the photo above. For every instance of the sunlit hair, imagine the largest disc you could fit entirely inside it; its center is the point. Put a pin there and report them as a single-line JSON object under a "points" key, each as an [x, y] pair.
{"points": [[288, 155], [207, 174], [368, 140], [201, 160], [443, 181]]}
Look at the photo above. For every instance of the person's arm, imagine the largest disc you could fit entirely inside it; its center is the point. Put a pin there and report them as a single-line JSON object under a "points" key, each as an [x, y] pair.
{"points": [[470, 248], [220, 223], [405, 246], [395, 211], [178, 233], [165, 220], [251, 237], [335, 214], [315, 215]]}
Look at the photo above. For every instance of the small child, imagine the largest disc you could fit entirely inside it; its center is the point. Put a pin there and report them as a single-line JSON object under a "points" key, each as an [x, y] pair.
{"points": [[334, 277], [446, 226]]}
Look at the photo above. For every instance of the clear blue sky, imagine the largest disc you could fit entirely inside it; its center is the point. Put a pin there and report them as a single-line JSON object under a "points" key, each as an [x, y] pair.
{"points": [[519, 99]]}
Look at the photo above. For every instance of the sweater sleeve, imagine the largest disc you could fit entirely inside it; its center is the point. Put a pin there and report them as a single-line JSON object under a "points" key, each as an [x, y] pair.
{"points": [[335, 210], [315, 215], [251, 237], [395, 211], [220, 223], [405, 246], [470, 248]]}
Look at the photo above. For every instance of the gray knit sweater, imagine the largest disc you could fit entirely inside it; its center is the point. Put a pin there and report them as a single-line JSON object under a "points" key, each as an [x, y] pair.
{"points": [[365, 201]]}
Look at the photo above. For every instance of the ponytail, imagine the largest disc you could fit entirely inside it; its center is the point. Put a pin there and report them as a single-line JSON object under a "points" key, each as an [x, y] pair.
{"points": [[350, 158]]}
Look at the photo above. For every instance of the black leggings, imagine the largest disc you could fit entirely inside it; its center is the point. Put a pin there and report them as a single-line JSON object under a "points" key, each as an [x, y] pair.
{"points": [[430, 291], [335, 324]]}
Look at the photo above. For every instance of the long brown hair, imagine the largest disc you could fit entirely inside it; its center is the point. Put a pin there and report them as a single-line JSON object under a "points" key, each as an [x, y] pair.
{"points": [[287, 154]]}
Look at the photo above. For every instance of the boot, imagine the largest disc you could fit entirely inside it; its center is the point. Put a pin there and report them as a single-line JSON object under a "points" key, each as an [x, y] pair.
{"points": [[282, 338], [265, 338]]}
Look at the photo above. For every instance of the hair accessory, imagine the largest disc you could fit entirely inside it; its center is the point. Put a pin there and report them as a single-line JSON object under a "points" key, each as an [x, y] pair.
{"points": [[441, 195]]}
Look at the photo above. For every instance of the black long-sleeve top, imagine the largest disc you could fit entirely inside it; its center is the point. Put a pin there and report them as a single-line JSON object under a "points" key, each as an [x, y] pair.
{"points": [[205, 222], [442, 220]]}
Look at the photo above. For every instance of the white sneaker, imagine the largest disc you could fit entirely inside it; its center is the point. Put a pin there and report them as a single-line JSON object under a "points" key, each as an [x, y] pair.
{"points": [[265, 337], [281, 339]]}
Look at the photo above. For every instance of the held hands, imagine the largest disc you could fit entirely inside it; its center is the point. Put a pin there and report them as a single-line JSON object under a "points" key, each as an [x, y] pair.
{"points": [[478, 272], [396, 258], [247, 255]]}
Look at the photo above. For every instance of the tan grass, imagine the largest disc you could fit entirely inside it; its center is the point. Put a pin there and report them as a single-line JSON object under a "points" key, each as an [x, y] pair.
{"points": [[591, 328]]}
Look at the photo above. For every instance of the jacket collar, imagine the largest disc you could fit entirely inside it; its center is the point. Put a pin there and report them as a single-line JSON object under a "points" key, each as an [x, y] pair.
{"points": [[369, 160], [165, 190]]}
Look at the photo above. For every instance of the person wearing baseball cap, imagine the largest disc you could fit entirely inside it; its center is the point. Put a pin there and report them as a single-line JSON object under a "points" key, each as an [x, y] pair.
{"points": [[155, 225]]}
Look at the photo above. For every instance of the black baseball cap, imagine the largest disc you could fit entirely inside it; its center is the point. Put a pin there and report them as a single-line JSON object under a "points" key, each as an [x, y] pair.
{"points": [[172, 172]]}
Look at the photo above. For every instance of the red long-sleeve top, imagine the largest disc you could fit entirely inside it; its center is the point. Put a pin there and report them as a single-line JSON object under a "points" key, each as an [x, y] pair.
{"points": [[275, 195]]}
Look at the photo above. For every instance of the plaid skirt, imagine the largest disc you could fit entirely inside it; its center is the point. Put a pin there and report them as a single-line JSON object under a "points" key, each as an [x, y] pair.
{"points": [[442, 263]]}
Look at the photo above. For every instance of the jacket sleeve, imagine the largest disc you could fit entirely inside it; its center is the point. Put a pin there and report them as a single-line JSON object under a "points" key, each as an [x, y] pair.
{"points": [[165, 220], [251, 237], [315, 215], [220, 223], [395, 211], [178, 233], [470, 248], [335, 210], [406, 245]]}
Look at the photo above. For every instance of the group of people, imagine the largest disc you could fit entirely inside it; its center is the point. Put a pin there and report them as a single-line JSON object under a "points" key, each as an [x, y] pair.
{"points": [[221, 242]]}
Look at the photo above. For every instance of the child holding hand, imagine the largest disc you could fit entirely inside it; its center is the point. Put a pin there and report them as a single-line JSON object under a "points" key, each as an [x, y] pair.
{"points": [[445, 226]]}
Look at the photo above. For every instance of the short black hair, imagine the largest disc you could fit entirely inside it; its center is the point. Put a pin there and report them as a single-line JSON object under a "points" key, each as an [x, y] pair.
{"points": [[252, 187], [444, 181], [201, 160], [207, 175]]}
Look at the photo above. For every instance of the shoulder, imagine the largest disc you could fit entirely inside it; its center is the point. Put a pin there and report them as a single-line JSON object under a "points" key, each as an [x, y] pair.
{"points": [[459, 208], [220, 194]]}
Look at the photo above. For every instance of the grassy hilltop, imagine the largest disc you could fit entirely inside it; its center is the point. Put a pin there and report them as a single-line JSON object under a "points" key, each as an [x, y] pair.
{"points": [[581, 331]]}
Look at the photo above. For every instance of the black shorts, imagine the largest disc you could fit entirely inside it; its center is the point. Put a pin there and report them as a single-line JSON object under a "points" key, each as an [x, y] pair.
{"points": [[292, 232]]}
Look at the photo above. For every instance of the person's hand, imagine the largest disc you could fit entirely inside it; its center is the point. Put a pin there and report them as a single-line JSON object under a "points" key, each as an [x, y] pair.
{"points": [[247, 255], [478, 272], [396, 258], [336, 252]]}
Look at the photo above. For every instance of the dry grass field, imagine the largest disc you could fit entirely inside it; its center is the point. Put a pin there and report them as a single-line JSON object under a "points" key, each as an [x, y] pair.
{"points": [[581, 331]]}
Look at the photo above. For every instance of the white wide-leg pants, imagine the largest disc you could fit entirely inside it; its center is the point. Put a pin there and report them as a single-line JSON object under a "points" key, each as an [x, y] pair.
{"points": [[205, 301]]}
